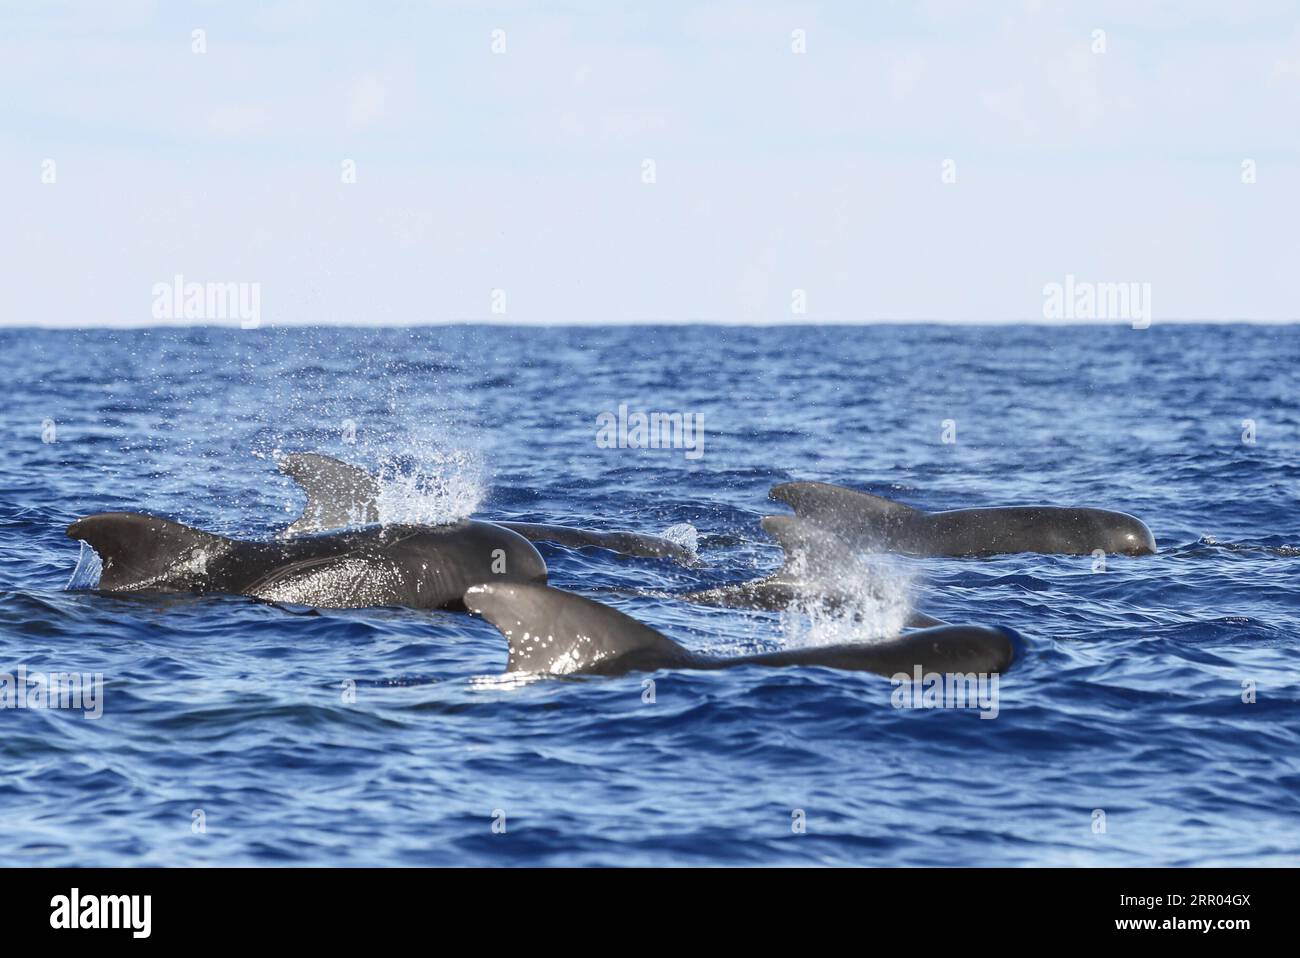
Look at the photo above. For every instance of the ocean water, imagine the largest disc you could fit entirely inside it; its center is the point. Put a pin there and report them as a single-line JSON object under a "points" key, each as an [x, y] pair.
{"points": [[1154, 720]]}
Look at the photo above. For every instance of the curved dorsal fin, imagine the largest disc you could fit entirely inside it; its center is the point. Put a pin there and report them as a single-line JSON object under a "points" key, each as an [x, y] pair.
{"points": [[338, 494], [811, 551], [549, 630], [845, 510]]}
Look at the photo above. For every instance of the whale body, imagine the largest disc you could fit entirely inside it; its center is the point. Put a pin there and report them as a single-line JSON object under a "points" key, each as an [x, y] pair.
{"points": [[549, 631], [875, 522], [420, 567]]}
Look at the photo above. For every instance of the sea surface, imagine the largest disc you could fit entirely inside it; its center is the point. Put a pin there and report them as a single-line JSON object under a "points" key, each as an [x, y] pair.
{"points": [[1155, 719]]}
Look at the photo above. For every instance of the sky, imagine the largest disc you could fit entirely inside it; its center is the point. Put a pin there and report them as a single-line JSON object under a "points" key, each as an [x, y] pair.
{"points": [[598, 162]]}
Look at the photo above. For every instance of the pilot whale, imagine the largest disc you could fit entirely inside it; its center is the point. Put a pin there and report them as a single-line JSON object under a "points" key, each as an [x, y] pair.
{"points": [[882, 524], [550, 631], [340, 494], [421, 567]]}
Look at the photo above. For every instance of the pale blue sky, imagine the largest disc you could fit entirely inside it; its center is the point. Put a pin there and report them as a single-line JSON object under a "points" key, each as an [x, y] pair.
{"points": [[522, 170]]}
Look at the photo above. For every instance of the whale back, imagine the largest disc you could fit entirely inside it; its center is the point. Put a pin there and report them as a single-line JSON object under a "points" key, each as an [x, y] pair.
{"points": [[556, 632], [943, 648], [1053, 530], [856, 515], [876, 522], [142, 553], [624, 543], [412, 566]]}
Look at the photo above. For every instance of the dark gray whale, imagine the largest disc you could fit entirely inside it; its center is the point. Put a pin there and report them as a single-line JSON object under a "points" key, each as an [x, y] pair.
{"points": [[553, 632], [422, 567], [874, 522], [340, 495]]}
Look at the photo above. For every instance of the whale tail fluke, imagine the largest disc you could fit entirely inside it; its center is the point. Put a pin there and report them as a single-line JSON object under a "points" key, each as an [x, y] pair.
{"points": [[552, 631], [338, 494], [147, 553]]}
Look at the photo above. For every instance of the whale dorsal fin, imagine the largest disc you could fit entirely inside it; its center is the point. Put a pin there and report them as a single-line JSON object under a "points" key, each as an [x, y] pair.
{"points": [[839, 508], [338, 494], [549, 630], [811, 550], [146, 553]]}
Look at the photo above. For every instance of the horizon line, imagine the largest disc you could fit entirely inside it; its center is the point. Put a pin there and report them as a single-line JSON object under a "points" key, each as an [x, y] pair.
{"points": [[582, 324]]}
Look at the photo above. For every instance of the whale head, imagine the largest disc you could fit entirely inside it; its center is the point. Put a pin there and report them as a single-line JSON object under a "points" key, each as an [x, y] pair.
{"points": [[1129, 535]]}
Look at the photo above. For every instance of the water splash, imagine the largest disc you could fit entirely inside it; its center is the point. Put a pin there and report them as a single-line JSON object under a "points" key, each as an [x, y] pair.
{"points": [[685, 535], [861, 599], [504, 681], [443, 486], [87, 571]]}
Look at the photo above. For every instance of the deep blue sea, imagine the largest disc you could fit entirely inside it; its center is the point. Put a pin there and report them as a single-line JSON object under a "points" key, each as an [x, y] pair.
{"points": [[1126, 736]]}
